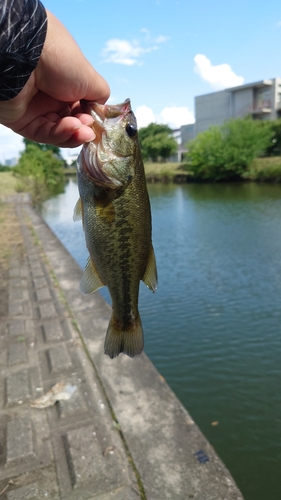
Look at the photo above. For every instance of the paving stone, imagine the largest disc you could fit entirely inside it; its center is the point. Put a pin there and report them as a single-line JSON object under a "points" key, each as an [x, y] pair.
{"points": [[43, 294], [58, 359], [17, 353], [14, 272], [15, 307], [19, 440], [93, 466], [30, 492], [30, 329], [15, 282], [52, 331], [16, 327], [75, 405], [18, 388], [15, 293], [47, 310], [24, 271], [37, 271], [40, 282]]}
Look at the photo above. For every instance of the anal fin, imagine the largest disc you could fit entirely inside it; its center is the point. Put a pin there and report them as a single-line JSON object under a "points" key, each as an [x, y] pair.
{"points": [[90, 281]]}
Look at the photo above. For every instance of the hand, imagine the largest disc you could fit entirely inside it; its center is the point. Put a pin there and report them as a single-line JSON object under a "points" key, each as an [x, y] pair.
{"points": [[47, 109]]}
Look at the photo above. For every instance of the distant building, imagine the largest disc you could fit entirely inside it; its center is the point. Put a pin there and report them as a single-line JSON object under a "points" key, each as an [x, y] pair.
{"points": [[11, 162], [183, 135], [261, 100]]}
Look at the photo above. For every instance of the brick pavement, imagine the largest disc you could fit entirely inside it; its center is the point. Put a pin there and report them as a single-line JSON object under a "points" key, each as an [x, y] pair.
{"points": [[70, 451]]}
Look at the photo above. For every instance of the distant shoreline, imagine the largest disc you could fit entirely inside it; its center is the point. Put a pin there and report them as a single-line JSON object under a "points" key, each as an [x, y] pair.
{"points": [[262, 170]]}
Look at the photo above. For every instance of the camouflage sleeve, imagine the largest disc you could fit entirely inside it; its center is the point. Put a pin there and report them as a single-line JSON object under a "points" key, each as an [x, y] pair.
{"points": [[23, 26]]}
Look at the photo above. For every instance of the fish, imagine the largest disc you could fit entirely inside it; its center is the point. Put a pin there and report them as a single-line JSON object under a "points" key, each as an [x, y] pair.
{"points": [[115, 210]]}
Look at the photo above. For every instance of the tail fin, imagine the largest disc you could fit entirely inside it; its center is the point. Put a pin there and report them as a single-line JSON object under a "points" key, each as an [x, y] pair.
{"points": [[130, 342]]}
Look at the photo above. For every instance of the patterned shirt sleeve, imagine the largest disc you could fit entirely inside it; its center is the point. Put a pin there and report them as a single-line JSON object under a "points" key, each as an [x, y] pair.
{"points": [[23, 26]]}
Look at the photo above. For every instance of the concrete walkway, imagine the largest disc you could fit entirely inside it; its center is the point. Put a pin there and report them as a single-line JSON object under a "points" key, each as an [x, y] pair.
{"points": [[123, 435]]}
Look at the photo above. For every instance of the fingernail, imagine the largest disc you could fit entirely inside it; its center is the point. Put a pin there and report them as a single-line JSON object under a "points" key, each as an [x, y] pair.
{"points": [[92, 138], [89, 121]]}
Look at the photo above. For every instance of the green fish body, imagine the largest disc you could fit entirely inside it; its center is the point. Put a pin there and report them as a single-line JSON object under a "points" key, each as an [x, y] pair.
{"points": [[115, 209]]}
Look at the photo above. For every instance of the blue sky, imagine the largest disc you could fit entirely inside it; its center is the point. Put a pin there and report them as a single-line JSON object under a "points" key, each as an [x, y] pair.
{"points": [[162, 53]]}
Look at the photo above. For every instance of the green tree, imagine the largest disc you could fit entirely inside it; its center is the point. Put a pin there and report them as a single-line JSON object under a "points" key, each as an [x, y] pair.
{"points": [[44, 147], [274, 148], [226, 152], [39, 171], [156, 142]]}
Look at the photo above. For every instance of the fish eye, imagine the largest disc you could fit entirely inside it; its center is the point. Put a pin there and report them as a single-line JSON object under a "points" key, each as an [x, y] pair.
{"points": [[131, 130]]}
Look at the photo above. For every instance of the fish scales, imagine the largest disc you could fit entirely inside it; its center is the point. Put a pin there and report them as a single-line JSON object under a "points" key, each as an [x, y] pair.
{"points": [[115, 209]]}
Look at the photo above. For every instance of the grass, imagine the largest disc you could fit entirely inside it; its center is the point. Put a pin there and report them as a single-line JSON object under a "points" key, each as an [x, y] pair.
{"points": [[265, 170], [8, 184], [165, 172], [10, 234]]}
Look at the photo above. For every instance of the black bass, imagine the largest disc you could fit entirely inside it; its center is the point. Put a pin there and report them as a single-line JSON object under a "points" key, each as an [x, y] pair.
{"points": [[115, 209]]}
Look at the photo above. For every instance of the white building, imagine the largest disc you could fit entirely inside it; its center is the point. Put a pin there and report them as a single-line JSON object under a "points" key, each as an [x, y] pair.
{"points": [[261, 100]]}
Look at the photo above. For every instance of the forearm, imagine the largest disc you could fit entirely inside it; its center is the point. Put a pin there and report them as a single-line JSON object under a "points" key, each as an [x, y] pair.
{"points": [[23, 26]]}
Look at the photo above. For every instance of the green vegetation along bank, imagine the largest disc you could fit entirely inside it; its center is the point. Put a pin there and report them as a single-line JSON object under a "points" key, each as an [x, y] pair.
{"points": [[40, 171], [234, 151]]}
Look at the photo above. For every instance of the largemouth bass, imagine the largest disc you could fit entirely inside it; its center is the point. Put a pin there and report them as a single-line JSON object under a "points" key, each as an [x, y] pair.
{"points": [[115, 209]]}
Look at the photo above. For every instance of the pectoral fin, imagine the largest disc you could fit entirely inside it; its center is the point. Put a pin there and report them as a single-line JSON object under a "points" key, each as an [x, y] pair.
{"points": [[150, 275], [90, 281], [78, 211]]}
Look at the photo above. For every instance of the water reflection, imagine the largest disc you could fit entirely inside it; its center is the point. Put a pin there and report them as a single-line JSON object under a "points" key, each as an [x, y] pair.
{"points": [[213, 327]]}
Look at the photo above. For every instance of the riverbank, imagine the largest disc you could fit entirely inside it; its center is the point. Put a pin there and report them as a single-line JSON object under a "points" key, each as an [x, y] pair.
{"points": [[262, 170], [144, 444], [157, 172]]}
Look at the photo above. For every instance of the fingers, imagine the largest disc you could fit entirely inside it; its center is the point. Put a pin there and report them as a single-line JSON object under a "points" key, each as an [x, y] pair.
{"points": [[63, 132]]}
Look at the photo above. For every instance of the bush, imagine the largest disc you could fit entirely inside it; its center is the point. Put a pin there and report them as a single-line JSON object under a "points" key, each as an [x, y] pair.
{"points": [[39, 172], [267, 169], [156, 142], [225, 152], [274, 148]]}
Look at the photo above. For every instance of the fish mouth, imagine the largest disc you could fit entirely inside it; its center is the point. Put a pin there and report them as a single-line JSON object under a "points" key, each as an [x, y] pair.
{"points": [[96, 154], [102, 112]]}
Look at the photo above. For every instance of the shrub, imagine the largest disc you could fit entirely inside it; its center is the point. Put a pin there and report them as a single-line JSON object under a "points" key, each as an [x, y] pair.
{"points": [[156, 142], [225, 152], [39, 172]]}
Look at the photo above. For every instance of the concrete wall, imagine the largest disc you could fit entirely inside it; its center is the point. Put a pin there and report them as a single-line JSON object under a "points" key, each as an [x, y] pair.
{"points": [[212, 109], [262, 99], [187, 133], [242, 102]]}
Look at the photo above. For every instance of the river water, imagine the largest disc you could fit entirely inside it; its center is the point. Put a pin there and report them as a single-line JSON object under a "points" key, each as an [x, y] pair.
{"points": [[213, 329]]}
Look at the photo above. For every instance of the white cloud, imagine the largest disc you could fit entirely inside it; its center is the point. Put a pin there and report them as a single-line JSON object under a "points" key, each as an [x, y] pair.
{"points": [[127, 52], [144, 116], [177, 116], [161, 39], [173, 116], [220, 77], [122, 52], [10, 144]]}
